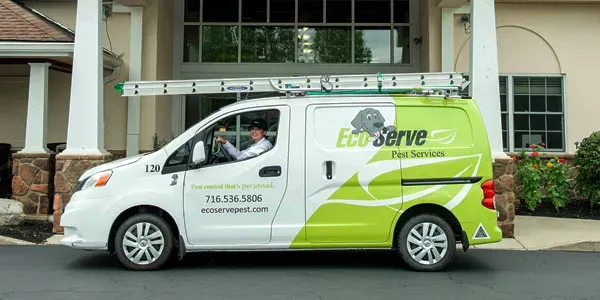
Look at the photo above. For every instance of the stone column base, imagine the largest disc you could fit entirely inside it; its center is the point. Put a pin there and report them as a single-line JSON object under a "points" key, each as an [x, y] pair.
{"points": [[504, 183], [30, 182], [68, 170]]}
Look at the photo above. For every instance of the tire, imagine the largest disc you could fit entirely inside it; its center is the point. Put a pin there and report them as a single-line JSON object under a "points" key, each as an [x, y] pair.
{"points": [[140, 247], [415, 227]]}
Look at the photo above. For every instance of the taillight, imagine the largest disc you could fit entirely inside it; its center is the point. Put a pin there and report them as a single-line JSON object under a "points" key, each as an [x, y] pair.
{"points": [[488, 194]]}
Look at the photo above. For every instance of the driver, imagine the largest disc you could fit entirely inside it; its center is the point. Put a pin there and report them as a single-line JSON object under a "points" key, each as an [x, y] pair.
{"points": [[258, 130]]}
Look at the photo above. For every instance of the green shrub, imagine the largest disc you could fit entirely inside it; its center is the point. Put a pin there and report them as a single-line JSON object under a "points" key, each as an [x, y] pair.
{"points": [[587, 162], [548, 177]]}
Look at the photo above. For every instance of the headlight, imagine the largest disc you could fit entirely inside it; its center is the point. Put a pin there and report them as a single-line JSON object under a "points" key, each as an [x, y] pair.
{"points": [[96, 180]]}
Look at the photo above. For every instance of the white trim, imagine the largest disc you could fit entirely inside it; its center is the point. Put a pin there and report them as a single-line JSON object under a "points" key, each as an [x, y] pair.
{"points": [[448, 39], [177, 103], [135, 74], [46, 49], [447, 20], [21, 49], [565, 115], [510, 108]]}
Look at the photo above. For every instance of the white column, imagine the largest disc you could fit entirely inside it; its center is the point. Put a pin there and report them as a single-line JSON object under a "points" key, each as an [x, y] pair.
{"points": [[484, 71], [37, 109], [85, 133], [448, 39]]}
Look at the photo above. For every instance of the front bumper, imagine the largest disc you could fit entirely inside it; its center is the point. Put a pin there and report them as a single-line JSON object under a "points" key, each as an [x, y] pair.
{"points": [[86, 222], [73, 239]]}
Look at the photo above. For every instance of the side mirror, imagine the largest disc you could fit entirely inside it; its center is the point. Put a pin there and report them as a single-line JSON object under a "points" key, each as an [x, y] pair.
{"points": [[198, 154]]}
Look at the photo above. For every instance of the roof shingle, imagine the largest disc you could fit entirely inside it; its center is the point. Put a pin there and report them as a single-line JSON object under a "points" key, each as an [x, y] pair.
{"points": [[20, 23]]}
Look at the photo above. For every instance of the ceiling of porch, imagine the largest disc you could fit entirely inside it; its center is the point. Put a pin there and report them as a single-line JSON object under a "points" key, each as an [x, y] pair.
{"points": [[27, 35]]}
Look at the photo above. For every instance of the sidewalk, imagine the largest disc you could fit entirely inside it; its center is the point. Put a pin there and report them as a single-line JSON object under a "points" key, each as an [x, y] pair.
{"points": [[531, 233], [542, 233]]}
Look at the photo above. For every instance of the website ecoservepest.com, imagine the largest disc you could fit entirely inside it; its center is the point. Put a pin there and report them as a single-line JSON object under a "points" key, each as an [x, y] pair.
{"points": [[234, 210]]}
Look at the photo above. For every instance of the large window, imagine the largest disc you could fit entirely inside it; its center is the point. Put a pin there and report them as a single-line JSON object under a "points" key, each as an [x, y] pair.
{"points": [[297, 31], [532, 111], [538, 112]]}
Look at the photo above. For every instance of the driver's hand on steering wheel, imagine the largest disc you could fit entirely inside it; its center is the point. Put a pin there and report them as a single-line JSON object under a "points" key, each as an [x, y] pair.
{"points": [[222, 140]]}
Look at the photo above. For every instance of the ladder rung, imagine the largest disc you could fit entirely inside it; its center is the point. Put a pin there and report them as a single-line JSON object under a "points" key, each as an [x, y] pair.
{"points": [[447, 83]]}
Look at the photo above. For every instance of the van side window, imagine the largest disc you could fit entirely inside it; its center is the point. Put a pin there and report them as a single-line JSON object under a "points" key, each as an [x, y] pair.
{"points": [[236, 130], [180, 156], [179, 160]]}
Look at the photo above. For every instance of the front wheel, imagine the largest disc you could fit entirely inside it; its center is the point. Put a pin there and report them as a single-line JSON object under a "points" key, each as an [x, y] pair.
{"points": [[144, 242], [426, 243]]}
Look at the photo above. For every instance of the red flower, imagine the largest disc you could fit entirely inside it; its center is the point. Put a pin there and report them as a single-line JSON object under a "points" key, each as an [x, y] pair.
{"points": [[562, 160], [534, 154]]}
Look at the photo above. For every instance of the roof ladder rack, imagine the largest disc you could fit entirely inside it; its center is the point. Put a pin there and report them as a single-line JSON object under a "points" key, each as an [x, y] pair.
{"points": [[432, 84]]}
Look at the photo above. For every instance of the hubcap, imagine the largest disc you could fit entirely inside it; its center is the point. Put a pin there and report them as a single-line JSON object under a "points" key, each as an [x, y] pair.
{"points": [[427, 243], [143, 243]]}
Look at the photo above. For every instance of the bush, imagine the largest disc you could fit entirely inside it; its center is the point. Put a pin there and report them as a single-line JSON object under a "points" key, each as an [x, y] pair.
{"points": [[158, 144], [548, 177], [587, 162]]}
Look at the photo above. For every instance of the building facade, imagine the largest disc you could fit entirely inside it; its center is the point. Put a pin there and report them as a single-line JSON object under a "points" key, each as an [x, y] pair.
{"points": [[545, 52]]}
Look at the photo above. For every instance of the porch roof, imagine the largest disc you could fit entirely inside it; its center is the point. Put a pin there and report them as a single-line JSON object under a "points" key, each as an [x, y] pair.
{"points": [[28, 35]]}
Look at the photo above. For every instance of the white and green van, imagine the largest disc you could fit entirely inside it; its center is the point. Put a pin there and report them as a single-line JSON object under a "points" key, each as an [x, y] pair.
{"points": [[348, 170]]}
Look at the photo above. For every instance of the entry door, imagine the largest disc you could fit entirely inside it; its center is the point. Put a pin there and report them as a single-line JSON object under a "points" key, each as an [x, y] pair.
{"points": [[353, 182], [234, 203]]}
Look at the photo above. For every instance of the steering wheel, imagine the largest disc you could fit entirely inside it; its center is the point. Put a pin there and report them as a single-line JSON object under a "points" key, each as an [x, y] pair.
{"points": [[219, 149]]}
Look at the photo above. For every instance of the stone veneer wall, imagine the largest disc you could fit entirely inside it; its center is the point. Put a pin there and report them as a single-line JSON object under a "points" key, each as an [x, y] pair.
{"points": [[31, 182], [68, 170], [504, 184]]}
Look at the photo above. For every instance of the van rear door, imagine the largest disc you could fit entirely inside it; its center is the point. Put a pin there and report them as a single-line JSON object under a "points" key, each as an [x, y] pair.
{"points": [[353, 178]]}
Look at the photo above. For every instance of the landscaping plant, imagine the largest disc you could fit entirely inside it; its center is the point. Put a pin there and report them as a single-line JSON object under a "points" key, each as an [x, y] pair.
{"points": [[542, 177], [587, 162]]}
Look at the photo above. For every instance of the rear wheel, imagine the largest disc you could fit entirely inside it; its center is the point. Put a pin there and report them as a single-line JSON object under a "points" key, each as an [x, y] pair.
{"points": [[144, 242], [426, 243]]}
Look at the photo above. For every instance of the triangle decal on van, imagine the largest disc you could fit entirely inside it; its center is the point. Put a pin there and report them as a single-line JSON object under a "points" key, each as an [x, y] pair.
{"points": [[480, 233]]}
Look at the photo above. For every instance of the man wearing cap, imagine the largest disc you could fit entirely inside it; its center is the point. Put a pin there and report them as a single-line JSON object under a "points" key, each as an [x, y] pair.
{"points": [[258, 130]]}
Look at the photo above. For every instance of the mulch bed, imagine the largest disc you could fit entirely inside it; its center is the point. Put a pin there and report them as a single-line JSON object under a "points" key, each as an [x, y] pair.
{"points": [[30, 230], [576, 209]]}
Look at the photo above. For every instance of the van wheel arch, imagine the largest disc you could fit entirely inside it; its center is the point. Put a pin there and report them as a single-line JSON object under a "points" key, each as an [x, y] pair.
{"points": [[139, 210], [432, 209]]}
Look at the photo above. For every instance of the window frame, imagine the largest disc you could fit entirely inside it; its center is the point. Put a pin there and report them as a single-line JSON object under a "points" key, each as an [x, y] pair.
{"points": [[207, 132], [511, 112], [510, 148], [412, 25]]}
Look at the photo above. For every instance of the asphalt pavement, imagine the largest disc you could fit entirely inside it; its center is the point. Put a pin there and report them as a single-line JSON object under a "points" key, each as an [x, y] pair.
{"points": [[57, 272]]}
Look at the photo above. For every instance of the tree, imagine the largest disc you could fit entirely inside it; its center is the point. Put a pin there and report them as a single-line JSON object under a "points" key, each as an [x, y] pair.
{"points": [[334, 45]]}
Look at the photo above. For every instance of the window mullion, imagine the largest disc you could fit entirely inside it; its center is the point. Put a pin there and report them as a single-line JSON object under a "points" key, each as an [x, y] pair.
{"points": [[296, 32], [324, 11], [352, 32], [239, 30], [201, 42], [510, 113]]}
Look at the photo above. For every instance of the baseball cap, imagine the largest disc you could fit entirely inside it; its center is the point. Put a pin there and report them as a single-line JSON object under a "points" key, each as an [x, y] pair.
{"points": [[259, 123]]}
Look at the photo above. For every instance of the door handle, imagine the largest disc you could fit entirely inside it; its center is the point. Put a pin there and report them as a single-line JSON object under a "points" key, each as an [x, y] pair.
{"points": [[271, 171], [328, 169]]}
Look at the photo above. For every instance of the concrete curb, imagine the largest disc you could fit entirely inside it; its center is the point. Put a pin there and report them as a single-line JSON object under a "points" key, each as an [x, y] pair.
{"points": [[4, 240], [587, 246], [51, 241]]}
